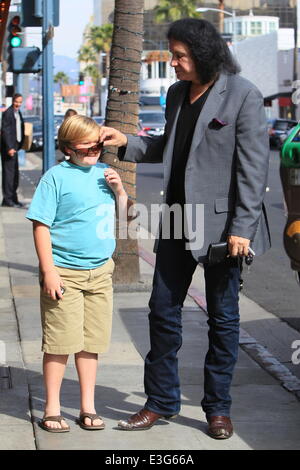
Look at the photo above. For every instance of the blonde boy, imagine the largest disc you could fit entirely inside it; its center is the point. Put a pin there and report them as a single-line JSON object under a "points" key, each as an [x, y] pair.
{"points": [[72, 203]]}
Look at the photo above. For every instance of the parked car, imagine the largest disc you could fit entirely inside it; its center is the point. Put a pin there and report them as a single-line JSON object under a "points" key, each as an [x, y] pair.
{"points": [[140, 130], [149, 100], [278, 127], [32, 118], [285, 135], [153, 122], [58, 119], [37, 136]]}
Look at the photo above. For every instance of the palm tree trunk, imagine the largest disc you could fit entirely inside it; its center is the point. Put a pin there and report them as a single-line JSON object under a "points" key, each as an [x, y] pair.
{"points": [[122, 114]]}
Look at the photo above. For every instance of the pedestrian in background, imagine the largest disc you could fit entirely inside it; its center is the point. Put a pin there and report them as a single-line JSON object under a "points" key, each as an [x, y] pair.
{"points": [[76, 266], [12, 137], [70, 112], [215, 152]]}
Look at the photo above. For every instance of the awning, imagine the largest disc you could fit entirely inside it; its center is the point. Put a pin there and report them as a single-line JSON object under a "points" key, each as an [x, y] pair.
{"points": [[157, 56]]}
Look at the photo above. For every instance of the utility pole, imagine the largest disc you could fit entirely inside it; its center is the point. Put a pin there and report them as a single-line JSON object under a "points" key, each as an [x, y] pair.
{"points": [[48, 102]]}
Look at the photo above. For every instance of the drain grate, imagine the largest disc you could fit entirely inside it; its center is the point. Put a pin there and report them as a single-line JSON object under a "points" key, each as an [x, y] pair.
{"points": [[5, 378]]}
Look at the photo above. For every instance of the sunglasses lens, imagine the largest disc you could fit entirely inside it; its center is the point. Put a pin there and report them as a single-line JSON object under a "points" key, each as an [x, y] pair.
{"points": [[96, 148], [85, 152]]}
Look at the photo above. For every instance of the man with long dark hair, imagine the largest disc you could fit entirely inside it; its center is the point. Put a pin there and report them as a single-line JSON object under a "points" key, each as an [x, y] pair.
{"points": [[215, 152]]}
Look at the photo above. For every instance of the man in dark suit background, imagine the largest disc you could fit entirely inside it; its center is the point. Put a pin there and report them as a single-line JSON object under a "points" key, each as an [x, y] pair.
{"points": [[12, 137]]}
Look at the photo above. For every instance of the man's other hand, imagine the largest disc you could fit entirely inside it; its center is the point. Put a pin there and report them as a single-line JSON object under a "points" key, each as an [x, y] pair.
{"points": [[238, 246], [11, 152]]}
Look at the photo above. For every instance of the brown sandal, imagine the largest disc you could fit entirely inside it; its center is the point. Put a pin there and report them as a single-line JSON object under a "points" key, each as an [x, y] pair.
{"points": [[57, 419], [92, 417]]}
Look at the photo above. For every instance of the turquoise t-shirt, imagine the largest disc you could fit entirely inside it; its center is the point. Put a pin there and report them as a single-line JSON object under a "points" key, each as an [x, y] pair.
{"points": [[79, 207]]}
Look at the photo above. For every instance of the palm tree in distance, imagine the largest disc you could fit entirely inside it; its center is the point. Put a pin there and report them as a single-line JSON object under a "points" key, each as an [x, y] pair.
{"points": [[86, 54], [61, 78], [100, 38], [92, 71], [172, 10], [97, 40]]}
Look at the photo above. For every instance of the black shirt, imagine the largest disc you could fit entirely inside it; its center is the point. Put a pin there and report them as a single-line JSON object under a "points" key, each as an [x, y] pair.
{"points": [[185, 128]]}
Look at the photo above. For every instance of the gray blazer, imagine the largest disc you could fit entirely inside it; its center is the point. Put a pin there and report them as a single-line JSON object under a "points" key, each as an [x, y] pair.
{"points": [[227, 167]]}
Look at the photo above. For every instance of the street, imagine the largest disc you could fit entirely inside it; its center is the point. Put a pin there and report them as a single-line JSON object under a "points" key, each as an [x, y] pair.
{"points": [[270, 282]]}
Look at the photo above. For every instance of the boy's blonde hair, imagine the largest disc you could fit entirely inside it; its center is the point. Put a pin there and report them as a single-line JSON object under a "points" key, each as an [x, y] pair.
{"points": [[76, 129]]}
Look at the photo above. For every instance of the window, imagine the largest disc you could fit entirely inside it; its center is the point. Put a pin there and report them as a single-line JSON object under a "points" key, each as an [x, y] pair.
{"points": [[162, 69], [238, 28], [256, 28], [149, 70]]}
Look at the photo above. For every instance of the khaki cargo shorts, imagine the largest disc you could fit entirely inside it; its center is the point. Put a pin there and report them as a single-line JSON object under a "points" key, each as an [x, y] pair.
{"points": [[82, 320]]}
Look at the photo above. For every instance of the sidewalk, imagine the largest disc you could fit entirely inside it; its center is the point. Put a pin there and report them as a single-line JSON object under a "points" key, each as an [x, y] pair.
{"points": [[265, 414]]}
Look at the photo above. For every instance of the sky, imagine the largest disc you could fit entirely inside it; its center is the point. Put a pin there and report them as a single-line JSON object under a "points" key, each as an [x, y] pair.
{"points": [[73, 17]]}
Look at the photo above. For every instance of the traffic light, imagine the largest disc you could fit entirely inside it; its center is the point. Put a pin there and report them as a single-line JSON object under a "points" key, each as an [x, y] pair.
{"points": [[14, 30], [4, 7], [81, 78], [14, 40], [20, 59]]}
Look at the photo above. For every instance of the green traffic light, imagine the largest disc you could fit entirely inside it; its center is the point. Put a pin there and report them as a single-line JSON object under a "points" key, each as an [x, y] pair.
{"points": [[15, 41]]}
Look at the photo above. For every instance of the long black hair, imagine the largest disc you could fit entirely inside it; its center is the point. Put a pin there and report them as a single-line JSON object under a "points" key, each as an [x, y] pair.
{"points": [[208, 49]]}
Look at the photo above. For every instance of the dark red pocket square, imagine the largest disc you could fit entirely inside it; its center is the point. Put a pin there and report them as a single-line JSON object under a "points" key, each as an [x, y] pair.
{"points": [[219, 121]]}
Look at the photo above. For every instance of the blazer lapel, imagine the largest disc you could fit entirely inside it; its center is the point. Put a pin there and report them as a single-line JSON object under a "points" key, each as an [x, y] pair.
{"points": [[209, 110]]}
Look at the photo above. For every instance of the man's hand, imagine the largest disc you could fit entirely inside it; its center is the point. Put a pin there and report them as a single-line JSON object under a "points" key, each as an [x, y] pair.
{"points": [[110, 136], [238, 246], [11, 152]]}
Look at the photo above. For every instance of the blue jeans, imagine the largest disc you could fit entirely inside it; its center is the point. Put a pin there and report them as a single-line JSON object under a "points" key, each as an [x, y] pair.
{"points": [[172, 277]]}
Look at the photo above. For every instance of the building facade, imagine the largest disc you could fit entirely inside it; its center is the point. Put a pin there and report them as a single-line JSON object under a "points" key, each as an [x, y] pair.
{"points": [[253, 18], [250, 25], [285, 10]]}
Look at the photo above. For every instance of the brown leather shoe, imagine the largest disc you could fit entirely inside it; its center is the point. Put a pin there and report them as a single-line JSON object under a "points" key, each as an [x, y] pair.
{"points": [[220, 427], [140, 421]]}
